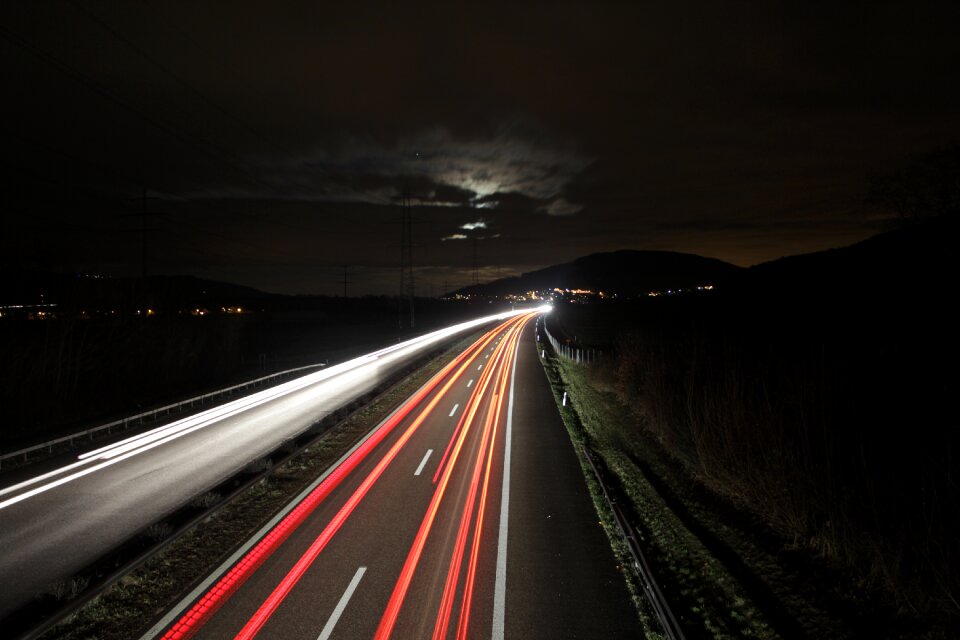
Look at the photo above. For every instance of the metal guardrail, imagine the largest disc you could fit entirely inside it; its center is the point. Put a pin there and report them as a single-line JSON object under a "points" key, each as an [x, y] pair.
{"points": [[580, 356], [671, 628], [152, 413], [102, 584], [658, 601]]}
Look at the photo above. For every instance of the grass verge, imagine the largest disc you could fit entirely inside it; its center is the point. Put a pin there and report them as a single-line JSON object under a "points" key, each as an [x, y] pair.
{"points": [[578, 436], [129, 606], [726, 573], [719, 581]]}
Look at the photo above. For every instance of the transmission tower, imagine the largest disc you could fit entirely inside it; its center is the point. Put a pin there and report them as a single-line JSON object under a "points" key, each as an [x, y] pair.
{"points": [[141, 290], [144, 229], [345, 281], [476, 260], [407, 289]]}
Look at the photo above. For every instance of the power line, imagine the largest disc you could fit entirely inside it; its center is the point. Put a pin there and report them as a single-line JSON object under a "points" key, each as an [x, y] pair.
{"points": [[144, 199], [98, 20], [207, 147], [345, 281], [112, 173], [407, 289]]}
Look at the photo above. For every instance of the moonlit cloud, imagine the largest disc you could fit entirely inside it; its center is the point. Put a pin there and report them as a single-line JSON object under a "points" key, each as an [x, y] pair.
{"points": [[455, 236], [433, 168], [561, 207], [470, 226]]}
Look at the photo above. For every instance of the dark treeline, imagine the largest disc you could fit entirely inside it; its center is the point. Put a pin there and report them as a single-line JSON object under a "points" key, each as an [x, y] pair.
{"points": [[816, 392], [66, 373], [60, 373]]}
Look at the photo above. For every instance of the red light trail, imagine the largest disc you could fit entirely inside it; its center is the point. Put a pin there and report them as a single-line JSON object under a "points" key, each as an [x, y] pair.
{"points": [[389, 619], [483, 409], [191, 622]]}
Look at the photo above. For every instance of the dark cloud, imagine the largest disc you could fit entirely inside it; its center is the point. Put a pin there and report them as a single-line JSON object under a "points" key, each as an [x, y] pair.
{"points": [[508, 203], [283, 137]]}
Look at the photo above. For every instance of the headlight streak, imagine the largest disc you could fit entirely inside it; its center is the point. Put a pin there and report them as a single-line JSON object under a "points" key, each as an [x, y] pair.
{"points": [[114, 456], [186, 425], [214, 598], [269, 606], [135, 445], [390, 615], [223, 411]]}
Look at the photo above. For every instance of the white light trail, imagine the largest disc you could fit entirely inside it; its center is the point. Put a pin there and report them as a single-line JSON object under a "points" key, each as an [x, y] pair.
{"points": [[345, 374]]}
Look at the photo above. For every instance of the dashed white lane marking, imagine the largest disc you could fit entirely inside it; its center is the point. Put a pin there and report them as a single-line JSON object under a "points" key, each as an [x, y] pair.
{"points": [[470, 384], [344, 599], [423, 462], [454, 410], [479, 366]]}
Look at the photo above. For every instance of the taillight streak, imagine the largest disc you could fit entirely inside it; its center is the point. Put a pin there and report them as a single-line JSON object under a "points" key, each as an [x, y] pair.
{"points": [[456, 559], [473, 404], [280, 592], [389, 618], [475, 551], [214, 598], [485, 454]]}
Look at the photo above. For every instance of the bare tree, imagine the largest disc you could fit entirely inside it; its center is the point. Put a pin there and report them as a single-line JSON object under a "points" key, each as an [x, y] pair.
{"points": [[927, 187]]}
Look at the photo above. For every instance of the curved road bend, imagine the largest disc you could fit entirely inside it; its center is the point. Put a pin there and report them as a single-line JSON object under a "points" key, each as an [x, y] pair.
{"points": [[56, 523], [413, 535]]}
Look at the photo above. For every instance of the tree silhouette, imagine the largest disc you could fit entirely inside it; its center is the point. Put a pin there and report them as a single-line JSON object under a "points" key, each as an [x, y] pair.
{"points": [[927, 187]]}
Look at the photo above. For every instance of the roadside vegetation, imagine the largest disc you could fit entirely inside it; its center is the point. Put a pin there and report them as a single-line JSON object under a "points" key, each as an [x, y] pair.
{"points": [[70, 372], [128, 607], [787, 447], [704, 595]]}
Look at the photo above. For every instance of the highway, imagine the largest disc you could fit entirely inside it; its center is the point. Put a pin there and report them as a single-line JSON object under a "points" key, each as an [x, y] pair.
{"points": [[463, 515], [56, 523]]}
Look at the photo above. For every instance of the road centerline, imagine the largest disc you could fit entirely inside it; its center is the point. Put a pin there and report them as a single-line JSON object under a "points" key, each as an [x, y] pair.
{"points": [[423, 462], [454, 410], [344, 599]]}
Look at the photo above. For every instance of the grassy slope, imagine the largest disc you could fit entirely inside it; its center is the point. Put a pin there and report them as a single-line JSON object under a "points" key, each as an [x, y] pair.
{"points": [[724, 576], [579, 437]]}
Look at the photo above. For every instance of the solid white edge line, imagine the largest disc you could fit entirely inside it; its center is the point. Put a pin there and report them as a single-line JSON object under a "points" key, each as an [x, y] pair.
{"points": [[225, 566], [500, 586], [454, 410], [423, 462], [344, 599]]}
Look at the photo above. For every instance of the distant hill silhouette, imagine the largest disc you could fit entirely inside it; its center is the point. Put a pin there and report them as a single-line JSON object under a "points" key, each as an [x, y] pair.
{"points": [[918, 259], [624, 272], [77, 290]]}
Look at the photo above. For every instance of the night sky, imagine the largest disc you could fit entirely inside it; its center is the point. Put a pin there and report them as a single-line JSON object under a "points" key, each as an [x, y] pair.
{"points": [[274, 138]]}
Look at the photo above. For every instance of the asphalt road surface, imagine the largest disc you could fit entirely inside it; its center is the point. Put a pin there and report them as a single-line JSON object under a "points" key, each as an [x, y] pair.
{"points": [[56, 523], [465, 514]]}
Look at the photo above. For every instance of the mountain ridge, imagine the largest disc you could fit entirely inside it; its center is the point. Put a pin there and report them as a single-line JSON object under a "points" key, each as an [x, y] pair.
{"points": [[624, 272]]}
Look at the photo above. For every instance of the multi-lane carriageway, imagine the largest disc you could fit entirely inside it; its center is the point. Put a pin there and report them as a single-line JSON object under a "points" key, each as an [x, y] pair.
{"points": [[60, 517], [464, 515]]}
